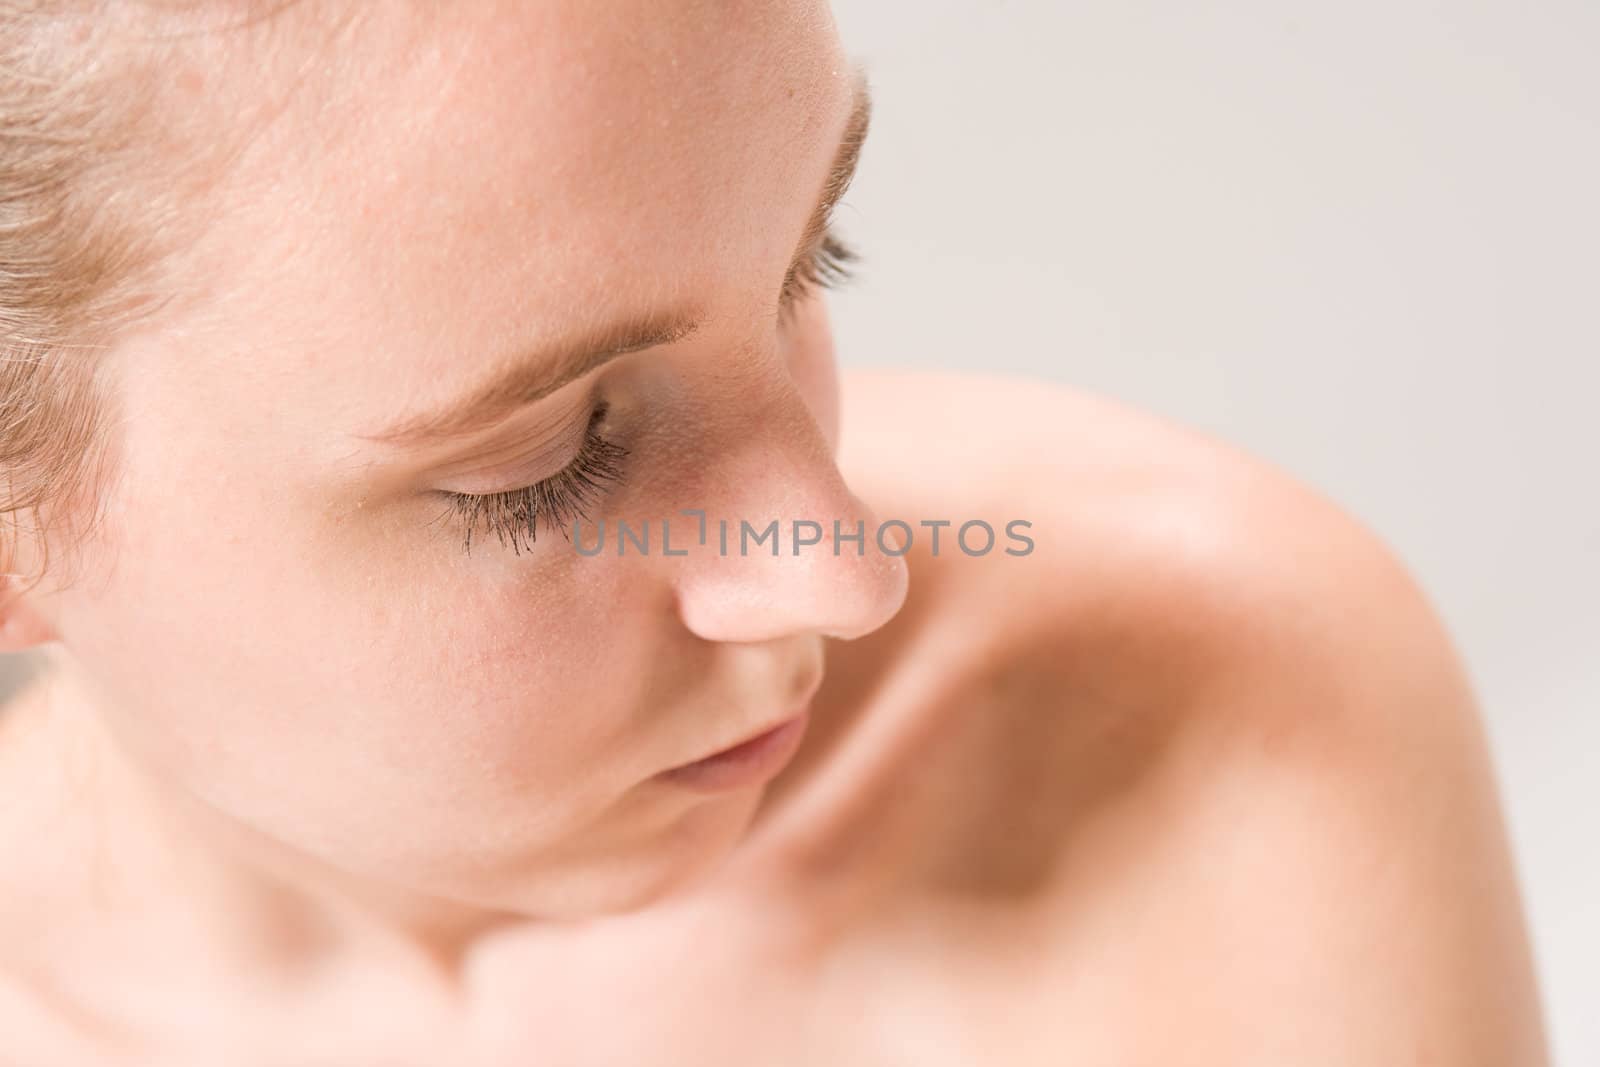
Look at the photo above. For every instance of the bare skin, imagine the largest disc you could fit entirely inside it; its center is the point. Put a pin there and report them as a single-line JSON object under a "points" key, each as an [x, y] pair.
{"points": [[1197, 780], [1155, 812]]}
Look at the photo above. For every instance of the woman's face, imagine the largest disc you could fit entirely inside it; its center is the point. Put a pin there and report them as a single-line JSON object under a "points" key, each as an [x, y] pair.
{"points": [[285, 621]]}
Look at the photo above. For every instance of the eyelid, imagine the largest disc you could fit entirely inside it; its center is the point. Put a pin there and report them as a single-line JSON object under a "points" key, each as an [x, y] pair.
{"points": [[511, 465], [515, 516]]}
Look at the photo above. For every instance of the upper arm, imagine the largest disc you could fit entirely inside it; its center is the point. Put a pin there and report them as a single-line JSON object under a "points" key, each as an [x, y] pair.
{"points": [[1335, 884], [1278, 837]]}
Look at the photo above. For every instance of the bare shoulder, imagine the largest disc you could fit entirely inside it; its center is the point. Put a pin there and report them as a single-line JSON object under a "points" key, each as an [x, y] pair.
{"points": [[1206, 744], [1160, 561], [1141, 531]]}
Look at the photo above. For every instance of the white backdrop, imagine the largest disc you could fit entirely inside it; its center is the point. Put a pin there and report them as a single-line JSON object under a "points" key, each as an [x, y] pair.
{"points": [[1360, 239]]}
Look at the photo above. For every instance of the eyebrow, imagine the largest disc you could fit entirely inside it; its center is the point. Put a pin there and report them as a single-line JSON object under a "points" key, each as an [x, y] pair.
{"points": [[532, 377]]}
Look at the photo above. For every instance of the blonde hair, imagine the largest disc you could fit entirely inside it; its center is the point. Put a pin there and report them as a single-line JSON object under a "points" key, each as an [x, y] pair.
{"points": [[71, 258], [88, 221]]}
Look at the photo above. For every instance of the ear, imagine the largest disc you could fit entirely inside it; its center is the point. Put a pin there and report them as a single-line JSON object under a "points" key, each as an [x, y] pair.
{"points": [[22, 626]]}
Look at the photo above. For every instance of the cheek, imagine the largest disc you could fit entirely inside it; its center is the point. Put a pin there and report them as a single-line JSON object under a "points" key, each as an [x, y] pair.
{"points": [[310, 683], [472, 675], [809, 352]]}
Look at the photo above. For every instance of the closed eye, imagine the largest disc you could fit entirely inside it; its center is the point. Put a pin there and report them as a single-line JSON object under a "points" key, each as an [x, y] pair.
{"points": [[829, 265], [514, 516]]}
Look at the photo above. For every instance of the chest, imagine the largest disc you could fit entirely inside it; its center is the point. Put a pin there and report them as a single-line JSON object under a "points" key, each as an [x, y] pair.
{"points": [[939, 983]]}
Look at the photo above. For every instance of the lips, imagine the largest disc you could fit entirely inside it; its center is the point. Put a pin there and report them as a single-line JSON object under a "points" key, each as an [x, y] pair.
{"points": [[747, 745], [744, 763]]}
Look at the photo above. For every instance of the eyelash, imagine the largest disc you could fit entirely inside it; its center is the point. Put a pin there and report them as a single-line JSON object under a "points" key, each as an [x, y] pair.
{"points": [[513, 516], [829, 266]]}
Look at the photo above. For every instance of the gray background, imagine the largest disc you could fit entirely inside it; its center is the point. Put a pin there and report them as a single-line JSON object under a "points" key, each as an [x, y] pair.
{"points": [[1358, 239]]}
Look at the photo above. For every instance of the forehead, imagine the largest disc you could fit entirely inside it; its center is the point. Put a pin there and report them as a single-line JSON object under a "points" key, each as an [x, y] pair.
{"points": [[436, 181]]}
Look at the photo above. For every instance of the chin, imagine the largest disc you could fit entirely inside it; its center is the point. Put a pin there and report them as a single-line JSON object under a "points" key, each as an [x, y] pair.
{"points": [[672, 861]]}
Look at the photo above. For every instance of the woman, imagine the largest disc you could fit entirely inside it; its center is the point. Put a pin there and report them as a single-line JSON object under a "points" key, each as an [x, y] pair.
{"points": [[384, 382]]}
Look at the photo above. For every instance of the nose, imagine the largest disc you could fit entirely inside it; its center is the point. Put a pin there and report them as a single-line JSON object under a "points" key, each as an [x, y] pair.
{"points": [[781, 545]]}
